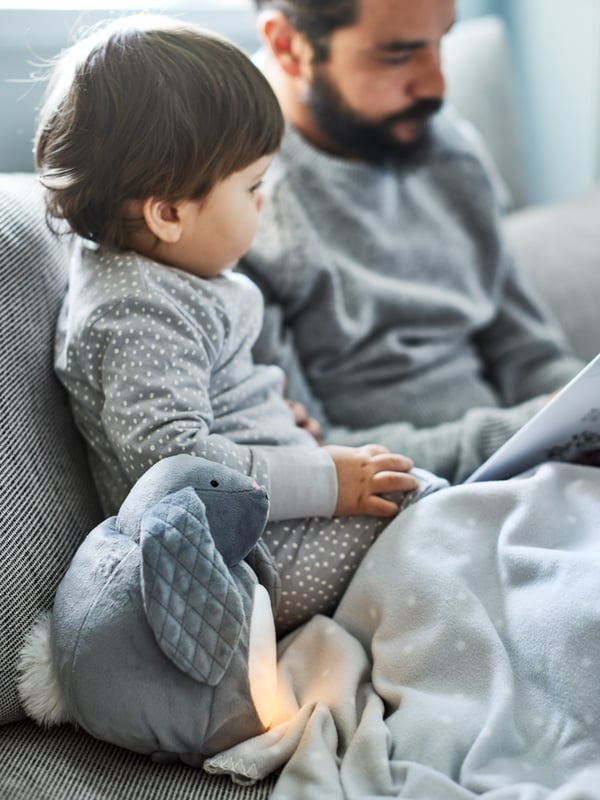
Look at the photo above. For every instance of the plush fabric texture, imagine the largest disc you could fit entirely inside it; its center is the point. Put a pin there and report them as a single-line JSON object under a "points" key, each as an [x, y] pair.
{"points": [[462, 660], [186, 588], [152, 635], [47, 501]]}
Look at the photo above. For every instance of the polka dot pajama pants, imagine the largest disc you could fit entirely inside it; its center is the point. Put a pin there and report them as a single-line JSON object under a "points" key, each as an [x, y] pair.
{"points": [[316, 559]]}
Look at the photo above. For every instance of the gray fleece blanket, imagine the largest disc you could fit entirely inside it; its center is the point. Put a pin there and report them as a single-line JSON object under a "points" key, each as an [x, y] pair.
{"points": [[462, 662]]}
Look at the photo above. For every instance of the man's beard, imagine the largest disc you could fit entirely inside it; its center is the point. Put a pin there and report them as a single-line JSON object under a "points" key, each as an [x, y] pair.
{"points": [[354, 136]]}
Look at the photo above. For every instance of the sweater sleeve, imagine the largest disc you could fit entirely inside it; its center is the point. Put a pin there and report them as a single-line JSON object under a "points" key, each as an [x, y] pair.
{"points": [[524, 351], [155, 372], [452, 450]]}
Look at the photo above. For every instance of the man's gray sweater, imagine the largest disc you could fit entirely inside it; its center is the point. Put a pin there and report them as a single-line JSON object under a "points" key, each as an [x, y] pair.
{"points": [[410, 320]]}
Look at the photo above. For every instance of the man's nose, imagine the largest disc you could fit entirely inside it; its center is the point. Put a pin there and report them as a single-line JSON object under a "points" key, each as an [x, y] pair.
{"points": [[428, 78]]}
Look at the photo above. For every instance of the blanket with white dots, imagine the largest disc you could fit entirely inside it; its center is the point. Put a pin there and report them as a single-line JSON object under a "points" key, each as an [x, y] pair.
{"points": [[462, 662]]}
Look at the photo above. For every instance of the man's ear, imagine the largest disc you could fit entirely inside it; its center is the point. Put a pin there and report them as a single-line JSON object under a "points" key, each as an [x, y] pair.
{"points": [[290, 48], [163, 218]]}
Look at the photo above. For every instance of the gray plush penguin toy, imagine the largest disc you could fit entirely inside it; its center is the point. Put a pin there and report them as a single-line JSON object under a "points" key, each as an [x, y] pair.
{"points": [[161, 639]]}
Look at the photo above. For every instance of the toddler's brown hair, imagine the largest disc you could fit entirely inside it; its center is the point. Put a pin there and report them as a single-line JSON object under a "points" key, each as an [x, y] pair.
{"points": [[148, 106]]}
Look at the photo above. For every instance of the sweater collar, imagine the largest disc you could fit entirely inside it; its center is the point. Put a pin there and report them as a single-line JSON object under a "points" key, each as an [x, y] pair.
{"points": [[297, 150]]}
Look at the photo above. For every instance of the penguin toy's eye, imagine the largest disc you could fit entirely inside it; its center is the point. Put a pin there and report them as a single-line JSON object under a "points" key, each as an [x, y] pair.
{"points": [[214, 483]]}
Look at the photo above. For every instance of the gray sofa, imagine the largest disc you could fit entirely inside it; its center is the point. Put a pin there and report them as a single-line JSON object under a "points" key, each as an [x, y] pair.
{"points": [[48, 502]]}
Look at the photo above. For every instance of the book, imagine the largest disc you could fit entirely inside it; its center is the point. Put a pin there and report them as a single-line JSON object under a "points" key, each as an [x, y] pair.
{"points": [[566, 429]]}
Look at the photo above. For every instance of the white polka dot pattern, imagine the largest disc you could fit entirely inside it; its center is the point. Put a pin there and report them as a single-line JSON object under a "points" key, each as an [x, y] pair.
{"points": [[316, 559], [158, 362]]}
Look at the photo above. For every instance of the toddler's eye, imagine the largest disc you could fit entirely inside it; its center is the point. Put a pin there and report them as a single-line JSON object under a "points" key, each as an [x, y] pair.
{"points": [[256, 187]]}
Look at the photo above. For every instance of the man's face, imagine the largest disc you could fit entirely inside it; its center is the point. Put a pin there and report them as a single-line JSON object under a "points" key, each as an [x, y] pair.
{"points": [[375, 94]]}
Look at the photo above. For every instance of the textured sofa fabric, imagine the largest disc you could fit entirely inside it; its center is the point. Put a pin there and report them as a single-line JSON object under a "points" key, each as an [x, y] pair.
{"points": [[48, 504], [65, 764], [47, 501]]}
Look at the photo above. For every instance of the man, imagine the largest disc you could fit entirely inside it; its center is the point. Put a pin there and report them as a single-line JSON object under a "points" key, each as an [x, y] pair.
{"points": [[379, 251]]}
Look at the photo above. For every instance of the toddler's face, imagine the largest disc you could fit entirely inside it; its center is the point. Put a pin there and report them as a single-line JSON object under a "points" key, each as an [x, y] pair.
{"points": [[218, 230]]}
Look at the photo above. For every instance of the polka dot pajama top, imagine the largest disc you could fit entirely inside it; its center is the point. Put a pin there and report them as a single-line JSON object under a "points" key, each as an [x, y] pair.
{"points": [[158, 361]]}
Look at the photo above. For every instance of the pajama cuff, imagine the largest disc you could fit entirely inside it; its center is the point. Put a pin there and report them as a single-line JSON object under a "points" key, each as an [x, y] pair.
{"points": [[303, 482]]}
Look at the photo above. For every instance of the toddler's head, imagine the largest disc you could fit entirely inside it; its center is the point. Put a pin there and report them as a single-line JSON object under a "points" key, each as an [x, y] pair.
{"points": [[153, 135]]}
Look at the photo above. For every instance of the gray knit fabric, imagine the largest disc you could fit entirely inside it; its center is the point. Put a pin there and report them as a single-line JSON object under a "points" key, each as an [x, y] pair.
{"points": [[403, 303]]}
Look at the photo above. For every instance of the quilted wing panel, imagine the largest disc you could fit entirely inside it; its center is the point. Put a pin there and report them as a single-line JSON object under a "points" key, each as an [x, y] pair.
{"points": [[192, 603]]}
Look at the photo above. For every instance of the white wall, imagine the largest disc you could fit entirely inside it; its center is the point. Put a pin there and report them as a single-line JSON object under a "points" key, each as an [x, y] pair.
{"points": [[558, 44], [476, 8], [556, 47], [28, 36]]}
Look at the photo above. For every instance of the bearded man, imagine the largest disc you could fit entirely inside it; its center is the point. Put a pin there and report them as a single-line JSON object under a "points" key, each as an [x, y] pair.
{"points": [[393, 303]]}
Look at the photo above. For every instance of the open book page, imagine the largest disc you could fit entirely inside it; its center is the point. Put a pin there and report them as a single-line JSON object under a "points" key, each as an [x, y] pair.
{"points": [[567, 429]]}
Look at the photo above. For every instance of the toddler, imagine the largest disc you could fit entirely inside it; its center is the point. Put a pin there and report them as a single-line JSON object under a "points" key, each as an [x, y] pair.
{"points": [[151, 144]]}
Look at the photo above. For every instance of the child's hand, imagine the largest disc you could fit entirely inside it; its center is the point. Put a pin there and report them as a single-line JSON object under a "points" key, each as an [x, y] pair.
{"points": [[302, 419], [365, 473]]}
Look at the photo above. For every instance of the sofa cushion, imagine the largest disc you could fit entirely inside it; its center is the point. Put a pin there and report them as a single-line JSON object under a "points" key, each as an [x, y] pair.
{"points": [[47, 501], [558, 246]]}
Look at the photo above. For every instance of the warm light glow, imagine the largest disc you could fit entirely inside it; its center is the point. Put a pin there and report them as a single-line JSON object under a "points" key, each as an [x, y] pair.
{"points": [[262, 657]]}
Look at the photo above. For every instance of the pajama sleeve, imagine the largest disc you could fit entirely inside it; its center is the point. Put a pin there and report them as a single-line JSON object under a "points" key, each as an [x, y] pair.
{"points": [[154, 368]]}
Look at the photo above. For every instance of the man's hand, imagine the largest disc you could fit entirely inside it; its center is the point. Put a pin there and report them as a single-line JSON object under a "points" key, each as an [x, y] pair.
{"points": [[365, 473], [302, 420]]}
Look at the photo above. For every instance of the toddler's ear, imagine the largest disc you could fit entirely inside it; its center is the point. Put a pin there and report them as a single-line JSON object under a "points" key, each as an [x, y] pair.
{"points": [[163, 218]]}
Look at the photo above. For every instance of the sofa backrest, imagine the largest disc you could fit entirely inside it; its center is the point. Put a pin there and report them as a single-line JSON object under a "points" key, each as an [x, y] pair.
{"points": [[47, 500], [481, 85], [558, 247]]}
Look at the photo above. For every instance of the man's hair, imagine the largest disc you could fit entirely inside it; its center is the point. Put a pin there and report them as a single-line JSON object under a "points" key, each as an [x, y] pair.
{"points": [[148, 106], [316, 19]]}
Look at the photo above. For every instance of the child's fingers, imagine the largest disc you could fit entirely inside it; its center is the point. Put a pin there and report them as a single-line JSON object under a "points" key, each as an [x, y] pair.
{"points": [[385, 482], [313, 427], [299, 412], [376, 506], [373, 449], [393, 461]]}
